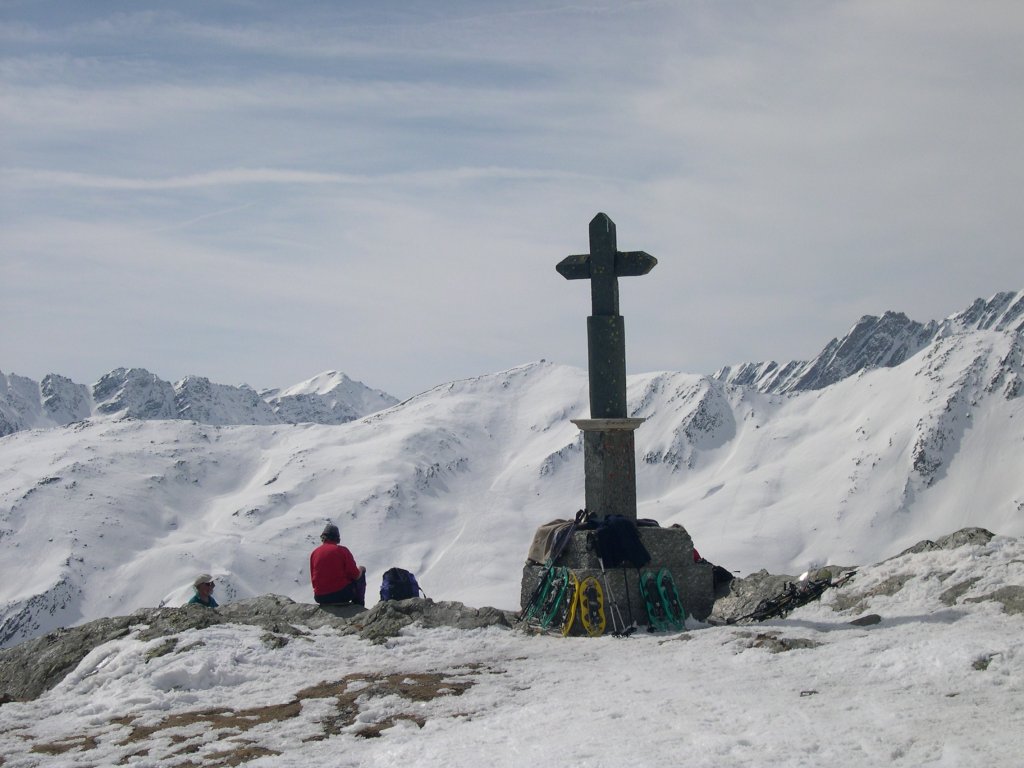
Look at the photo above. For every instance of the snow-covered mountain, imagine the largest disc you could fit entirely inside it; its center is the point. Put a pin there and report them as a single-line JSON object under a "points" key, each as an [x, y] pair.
{"points": [[876, 342], [25, 403], [329, 398], [106, 515]]}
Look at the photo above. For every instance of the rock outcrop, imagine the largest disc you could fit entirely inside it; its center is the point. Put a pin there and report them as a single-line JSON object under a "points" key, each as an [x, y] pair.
{"points": [[35, 666], [743, 595]]}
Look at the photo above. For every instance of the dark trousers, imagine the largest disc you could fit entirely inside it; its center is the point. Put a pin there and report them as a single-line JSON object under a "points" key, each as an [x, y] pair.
{"points": [[353, 593]]}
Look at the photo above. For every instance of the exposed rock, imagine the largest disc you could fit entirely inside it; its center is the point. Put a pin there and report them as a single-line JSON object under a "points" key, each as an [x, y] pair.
{"points": [[388, 618], [275, 613], [63, 400], [981, 663], [857, 600], [1002, 312], [745, 594], [872, 343], [1011, 597], [963, 537], [867, 621], [35, 666], [135, 393], [199, 399], [20, 405], [741, 596], [774, 642], [954, 593]]}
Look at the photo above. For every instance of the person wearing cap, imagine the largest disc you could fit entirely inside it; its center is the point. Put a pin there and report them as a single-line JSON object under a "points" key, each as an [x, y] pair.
{"points": [[333, 571], [204, 591]]}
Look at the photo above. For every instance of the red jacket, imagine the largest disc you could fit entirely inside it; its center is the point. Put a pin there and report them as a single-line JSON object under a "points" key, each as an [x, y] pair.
{"points": [[331, 568]]}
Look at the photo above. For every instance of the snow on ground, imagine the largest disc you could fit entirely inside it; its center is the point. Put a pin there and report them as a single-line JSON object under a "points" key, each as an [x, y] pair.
{"points": [[939, 681]]}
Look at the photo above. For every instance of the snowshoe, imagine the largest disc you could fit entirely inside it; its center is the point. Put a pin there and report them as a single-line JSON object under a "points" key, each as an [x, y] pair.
{"points": [[555, 601], [673, 607], [657, 617], [573, 603], [540, 597], [591, 606]]}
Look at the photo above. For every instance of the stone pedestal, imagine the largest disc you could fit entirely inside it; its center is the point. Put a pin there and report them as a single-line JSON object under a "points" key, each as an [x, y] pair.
{"points": [[609, 464], [670, 548], [609, 454]]}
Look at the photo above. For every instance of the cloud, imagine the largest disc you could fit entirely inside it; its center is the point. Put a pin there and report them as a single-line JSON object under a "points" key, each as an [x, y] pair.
{"points": [[243, 176], [213, 178], [407, 176]]}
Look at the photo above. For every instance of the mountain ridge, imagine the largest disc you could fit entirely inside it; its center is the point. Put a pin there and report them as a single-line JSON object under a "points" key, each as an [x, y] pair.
{"points": [[328, 398], [876, 342], [452, 483], [334, 398]]}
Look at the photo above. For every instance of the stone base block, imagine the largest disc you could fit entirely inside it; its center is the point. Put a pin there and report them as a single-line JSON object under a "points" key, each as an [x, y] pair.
{"points": [[670, 548]]}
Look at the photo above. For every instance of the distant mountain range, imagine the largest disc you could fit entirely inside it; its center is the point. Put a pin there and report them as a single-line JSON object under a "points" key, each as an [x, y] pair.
{"points": [[895, 433], [135, 393], [876, 342]]}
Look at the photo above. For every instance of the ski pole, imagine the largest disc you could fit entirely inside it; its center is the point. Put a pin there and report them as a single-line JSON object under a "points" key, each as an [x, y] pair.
{"points": [[618, 624]]}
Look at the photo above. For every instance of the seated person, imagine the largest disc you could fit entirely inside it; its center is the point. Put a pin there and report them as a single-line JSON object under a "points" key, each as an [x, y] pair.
{"points": [[204, 591], [332, 569]]}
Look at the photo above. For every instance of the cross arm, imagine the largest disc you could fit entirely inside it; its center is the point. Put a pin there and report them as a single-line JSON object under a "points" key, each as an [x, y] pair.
{"points": [[628, 264], [632, 263], [574, 267]]}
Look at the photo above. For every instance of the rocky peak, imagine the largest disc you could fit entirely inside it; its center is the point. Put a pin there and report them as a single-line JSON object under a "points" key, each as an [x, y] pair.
{"points": [[19, 403], [1003, 312], [63, 400], [135, 393], [876, 342], [873, 342], [199, 399], [329, 398]]}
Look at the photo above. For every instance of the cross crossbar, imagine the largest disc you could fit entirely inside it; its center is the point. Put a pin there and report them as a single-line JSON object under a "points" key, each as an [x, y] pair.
{"points": [[604, 265]]}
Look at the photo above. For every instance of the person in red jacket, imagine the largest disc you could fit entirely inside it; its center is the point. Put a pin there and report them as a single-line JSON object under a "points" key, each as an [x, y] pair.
{"points": [[332, 569]]}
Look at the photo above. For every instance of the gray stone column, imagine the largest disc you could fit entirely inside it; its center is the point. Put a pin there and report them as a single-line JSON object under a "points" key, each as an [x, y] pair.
{"points": [[609, 465]]}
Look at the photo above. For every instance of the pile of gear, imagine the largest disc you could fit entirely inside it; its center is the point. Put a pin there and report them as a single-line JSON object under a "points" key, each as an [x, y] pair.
{"points": [[793, 595]]}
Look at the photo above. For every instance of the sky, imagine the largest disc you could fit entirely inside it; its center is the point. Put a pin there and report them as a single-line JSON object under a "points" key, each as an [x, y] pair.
{"points": [[258, 192]]}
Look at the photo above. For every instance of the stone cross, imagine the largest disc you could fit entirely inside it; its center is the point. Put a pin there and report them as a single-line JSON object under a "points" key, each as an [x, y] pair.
{"points": [[609, 459], [606, 339], [609, 453]]}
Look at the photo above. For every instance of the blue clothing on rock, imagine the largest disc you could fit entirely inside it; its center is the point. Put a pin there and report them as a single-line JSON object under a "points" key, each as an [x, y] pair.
{"points": [[197, 600]]}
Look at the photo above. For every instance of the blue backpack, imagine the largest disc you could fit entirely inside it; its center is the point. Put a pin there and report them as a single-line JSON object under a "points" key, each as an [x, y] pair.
{"points": [[399, 584]]}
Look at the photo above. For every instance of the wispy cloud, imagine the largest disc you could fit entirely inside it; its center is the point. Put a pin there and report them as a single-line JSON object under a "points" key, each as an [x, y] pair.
{"points": [[416, 170], [22, 177], [234, 176]]}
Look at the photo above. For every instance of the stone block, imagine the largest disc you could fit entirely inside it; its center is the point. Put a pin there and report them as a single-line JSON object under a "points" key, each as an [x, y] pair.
{"points": [[670, 548]]}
